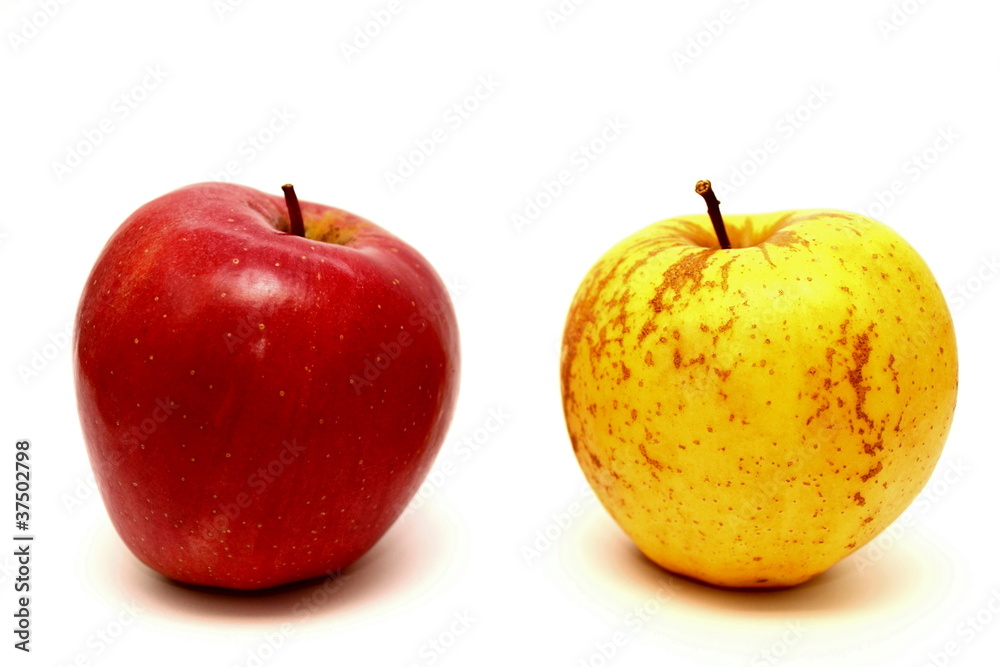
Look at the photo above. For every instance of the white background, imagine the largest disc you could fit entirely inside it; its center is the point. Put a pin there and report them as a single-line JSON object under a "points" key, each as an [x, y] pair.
{"points": [[887, 92]]}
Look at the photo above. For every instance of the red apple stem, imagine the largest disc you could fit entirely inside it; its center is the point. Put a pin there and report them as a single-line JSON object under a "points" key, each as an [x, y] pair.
{"points": [[704, 188], [294, 210]]}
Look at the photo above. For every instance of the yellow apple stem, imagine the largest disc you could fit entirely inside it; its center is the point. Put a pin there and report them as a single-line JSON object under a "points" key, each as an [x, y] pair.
{"points": [[704, 188], [294, 211]]}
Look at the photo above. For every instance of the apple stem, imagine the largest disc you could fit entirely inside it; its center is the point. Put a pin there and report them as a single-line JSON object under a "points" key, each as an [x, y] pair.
{"points": [[704, 188], [294, 211]]}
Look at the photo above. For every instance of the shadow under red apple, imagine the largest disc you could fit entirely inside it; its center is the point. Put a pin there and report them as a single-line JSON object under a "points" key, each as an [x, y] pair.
{"points": [[408, 562]]}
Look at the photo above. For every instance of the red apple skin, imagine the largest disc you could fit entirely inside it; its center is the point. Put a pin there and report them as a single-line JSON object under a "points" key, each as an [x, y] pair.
{"points": [[259, 407]]}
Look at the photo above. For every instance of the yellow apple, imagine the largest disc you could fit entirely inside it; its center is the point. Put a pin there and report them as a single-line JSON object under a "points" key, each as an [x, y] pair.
{"points": [[752, 415]]}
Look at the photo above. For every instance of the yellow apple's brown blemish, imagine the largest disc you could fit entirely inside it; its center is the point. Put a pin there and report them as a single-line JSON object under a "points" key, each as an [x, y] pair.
{"points": [[582, 315], [724, 270], [827, 215], [872, 472], [871, 449], [862, 352], [786, 238], [895, 373], [820, 410], [597, 350], [647, 329], [638, 264], [767, 255], [687, 272], [622, 320], [649, 460]]}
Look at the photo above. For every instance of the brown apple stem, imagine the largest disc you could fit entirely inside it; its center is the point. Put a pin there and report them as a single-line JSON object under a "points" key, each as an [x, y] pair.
{"points": [[294, 211], [704, 188]]}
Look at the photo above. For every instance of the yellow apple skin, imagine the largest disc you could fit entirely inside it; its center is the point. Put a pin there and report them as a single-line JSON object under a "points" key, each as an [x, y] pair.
{"points": [[752, 416]]}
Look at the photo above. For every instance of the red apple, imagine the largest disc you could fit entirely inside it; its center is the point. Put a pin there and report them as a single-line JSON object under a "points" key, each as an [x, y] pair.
{"points": [[258, 405]]}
